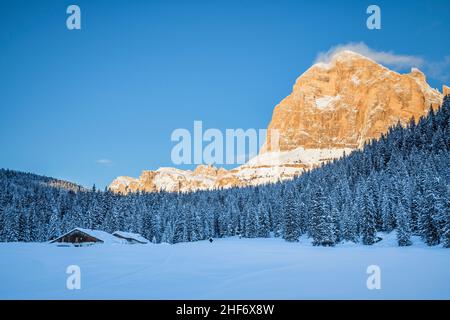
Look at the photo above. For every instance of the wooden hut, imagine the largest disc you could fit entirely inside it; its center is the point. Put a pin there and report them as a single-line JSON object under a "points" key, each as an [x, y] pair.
{"points": [[80, 236]]}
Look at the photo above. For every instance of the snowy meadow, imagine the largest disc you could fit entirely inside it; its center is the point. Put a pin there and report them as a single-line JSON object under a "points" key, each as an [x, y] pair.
{"points": [[229, 268]]}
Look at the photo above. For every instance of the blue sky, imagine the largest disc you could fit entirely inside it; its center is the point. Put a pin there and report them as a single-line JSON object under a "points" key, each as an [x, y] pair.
{"points": [[116, 89]]}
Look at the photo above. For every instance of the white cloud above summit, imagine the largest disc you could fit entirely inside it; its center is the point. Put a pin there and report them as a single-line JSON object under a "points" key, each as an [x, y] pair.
{"points": [[438, 70], [389, 58]]}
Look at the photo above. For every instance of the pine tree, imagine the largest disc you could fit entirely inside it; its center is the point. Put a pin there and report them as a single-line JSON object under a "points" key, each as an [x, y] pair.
{"points": [[224, 218], [387, 210], [263, 221], [178, 232], [428, 227], [446, 227], [321, 221], [349, 224], [197, 230], [54, 229], [367, 217], [416, 204], [251, 223], [290, 218], [12, 223], [23, 231], [34, 226], [117, 212], [336, 220], [168, 233], [403, 228], [446, 232]]}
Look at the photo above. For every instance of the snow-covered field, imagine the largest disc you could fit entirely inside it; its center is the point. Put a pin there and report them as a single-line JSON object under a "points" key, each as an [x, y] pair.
{"points": [[226, 269]]}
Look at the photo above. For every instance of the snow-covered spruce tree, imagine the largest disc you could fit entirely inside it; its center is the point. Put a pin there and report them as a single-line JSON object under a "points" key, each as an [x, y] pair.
{"points": [[118, 213], [321, 220], [2, 225], [275, 208], [188, 224], [439, 141], [263, 221], [148, 225], [388, 209], [367, 216], [157, 225], [251, 223], [291, 228], [416, 204], [303, 217], [348, 226], [428, 227], [233, 214], [197, 228], [373, 186], [224, 222], [178, 232], [441, 206], [336, 218], [349, 223], [445, 234], [98, 212], [24, 232], [208, 226], [34, 225], [446, 229], [54, 228], [168, 233], [403, 228], [12, 221], [131, 212]]}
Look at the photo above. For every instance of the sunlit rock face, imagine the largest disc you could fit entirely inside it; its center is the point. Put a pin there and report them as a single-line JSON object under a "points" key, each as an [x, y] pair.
{"points": [[348, 101]]}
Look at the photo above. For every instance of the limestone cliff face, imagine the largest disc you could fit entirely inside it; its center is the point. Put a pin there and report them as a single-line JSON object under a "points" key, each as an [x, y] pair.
{"points": [[348, 101], [333, 109]]}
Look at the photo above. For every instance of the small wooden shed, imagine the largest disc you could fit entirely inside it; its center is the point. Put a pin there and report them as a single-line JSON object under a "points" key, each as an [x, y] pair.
{"points": [[130, 237]]}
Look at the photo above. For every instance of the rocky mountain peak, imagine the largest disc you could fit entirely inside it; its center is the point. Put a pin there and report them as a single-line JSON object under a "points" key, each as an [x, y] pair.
{"points": [[334, 107], [346, 102]]}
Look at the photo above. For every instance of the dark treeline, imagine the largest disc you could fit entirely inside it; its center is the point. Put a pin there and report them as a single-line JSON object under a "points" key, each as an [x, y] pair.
{"points": [[399, 182]]}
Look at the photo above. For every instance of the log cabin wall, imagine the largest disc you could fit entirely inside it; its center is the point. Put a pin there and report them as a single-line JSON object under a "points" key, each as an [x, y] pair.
{"points": [[77, 237]]}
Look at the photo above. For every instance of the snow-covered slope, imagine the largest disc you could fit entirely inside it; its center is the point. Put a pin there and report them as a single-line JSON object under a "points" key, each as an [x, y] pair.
{"points": [[272, 166]]}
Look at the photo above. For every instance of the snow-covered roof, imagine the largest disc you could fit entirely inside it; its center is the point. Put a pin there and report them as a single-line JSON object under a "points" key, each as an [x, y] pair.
{"points": [[103, 236], [130, 235]]}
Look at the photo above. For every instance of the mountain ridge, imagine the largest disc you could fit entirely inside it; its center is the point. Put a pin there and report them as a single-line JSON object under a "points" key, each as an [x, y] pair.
{"points": [[22, 179], [335, 107]]}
